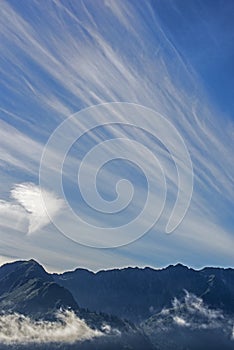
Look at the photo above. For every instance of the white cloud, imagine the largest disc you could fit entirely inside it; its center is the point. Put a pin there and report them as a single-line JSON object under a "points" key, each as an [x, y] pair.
{"points": [[180, 321], [196, 313], [192, 312], [28, 212], [29, 196], [68, 328]]}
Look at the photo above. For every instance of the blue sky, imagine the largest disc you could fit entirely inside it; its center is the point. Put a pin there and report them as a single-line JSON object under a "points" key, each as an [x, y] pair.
{"points": [[173, 57]]}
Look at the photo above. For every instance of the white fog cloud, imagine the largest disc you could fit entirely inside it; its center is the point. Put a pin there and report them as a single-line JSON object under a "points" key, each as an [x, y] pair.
{"points": [[180, 321], [68, 328], [193, 313]]}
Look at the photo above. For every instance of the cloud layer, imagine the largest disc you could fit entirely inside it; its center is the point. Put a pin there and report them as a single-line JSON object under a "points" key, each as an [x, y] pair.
{"points": [[192, 313], [19, 329]]}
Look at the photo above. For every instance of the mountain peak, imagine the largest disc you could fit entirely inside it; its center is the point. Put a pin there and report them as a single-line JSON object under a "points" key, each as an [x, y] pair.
{"points": [[178, 266], [33, 261]]}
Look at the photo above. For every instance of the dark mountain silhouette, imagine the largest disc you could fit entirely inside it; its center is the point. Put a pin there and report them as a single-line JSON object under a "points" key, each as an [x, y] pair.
{"points": [[174, 308], [25, 287], [136, 294], [28, 290]]}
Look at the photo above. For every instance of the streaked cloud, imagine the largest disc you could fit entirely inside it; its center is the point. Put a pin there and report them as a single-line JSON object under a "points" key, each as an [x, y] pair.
{"points": [[70, 58]]}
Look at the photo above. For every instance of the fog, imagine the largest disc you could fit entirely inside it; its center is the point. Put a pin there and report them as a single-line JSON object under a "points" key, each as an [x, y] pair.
{"points": [[68, 328]]}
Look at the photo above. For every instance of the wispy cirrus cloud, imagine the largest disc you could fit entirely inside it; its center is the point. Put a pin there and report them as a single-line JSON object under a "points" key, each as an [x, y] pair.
{"points": [[75, 57]]}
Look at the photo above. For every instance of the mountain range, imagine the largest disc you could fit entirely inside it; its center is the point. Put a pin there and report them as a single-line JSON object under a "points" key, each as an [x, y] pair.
{"points": [[136, 294], [172, 308]]}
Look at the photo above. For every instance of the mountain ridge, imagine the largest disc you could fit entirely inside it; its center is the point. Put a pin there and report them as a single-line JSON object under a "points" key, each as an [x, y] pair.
{"points": [[134, 293], [131, 308], [143, 268], [145, 290]]}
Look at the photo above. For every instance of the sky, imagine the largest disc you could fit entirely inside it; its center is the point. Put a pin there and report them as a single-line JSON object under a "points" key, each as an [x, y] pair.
{"points": [[117, 133]]}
